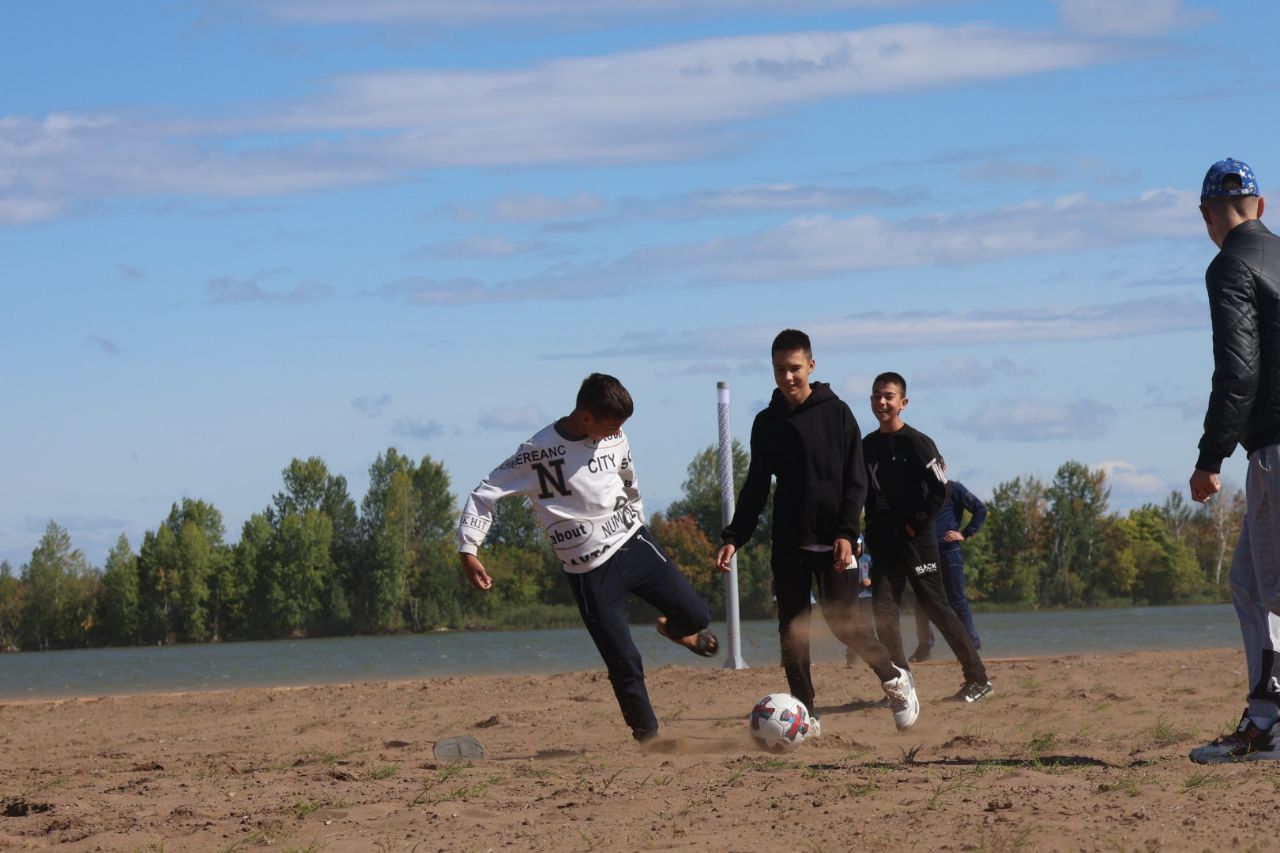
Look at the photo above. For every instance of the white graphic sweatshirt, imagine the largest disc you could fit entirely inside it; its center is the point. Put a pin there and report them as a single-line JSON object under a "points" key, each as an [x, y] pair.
{"points": [[584, 491]]}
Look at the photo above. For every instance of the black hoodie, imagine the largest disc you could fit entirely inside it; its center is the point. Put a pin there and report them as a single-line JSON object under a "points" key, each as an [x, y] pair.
{"points": [[815, 452]]}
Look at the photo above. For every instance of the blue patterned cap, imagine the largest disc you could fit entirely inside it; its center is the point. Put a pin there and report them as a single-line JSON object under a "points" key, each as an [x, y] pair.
{"points": [[1213, 180]]}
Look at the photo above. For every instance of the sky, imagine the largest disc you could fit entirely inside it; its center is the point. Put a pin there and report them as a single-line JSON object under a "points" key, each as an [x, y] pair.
{"points": [[236, 232]]}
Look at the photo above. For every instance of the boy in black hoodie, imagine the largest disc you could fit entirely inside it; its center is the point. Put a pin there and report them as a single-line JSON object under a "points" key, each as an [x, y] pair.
{"points": [[908, 487], [809, 440]]}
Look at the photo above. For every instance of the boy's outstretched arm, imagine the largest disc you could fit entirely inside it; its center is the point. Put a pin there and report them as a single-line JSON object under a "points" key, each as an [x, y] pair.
{"points": [[474, 570], [477, 517]]}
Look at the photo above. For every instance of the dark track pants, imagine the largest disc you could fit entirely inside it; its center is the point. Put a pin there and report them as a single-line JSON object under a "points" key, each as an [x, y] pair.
{"points": [[639, 567], [957, 596], [897, 560], [795, 572]]}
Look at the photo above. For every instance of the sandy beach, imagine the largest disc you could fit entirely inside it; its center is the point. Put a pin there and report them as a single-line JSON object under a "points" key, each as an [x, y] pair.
{"points": [[1070, 753]]}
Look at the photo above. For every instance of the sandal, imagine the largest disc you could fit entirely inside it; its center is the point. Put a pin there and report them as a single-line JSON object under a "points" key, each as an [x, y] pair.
{"points": [[704, 645]]}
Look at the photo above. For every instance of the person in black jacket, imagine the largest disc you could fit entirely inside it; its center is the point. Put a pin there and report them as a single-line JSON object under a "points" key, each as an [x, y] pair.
{"points": [[908, 487], [808, 439], [946, 524], [1244, 408]]}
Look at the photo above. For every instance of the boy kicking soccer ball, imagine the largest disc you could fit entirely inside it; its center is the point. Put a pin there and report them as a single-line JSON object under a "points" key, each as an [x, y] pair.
{"points": [[580, 476]]}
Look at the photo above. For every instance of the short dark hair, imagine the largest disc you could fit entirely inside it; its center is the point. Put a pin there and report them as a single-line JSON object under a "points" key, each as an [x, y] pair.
{"points": [[790, 340], [890, 376], [603, 396]]}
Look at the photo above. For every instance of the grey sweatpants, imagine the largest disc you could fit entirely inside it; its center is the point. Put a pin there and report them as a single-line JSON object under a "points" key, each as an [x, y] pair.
{"points": [[1255, 580]]}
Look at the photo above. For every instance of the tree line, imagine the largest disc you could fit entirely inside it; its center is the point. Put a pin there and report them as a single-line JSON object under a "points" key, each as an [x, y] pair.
{"points": [[313, 563]]}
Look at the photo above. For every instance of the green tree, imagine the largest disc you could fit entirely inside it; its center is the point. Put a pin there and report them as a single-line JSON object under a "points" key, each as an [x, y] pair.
{"points": [[702, 502], [693, 553], [340, 590], [244, 607], [305, 567], [118, 611], [409, 576], [1215, 530], [59, 590], [11, 605], [516, 527], [1013, 534], [1077, 503], [180, 566], [306, 575], [437, 590], [383, 569], [1166, 568]]}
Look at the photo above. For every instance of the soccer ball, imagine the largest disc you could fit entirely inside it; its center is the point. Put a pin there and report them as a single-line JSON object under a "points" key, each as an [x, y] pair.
{"points": [[779, 721]]}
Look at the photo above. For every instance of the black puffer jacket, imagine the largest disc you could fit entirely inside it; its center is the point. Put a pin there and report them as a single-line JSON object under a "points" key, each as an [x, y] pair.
{"points": [[1244, 305]]}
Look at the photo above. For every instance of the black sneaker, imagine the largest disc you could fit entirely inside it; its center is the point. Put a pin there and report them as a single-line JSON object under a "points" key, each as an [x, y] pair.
{"points": [[972, 691], [1246, 743]]}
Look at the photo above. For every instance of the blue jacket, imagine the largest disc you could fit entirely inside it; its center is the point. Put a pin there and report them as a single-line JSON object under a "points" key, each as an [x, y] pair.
{"points": [[948, 518]]}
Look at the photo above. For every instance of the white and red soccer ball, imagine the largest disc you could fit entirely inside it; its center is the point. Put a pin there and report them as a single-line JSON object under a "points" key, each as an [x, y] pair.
{"points": [[779, 721]]}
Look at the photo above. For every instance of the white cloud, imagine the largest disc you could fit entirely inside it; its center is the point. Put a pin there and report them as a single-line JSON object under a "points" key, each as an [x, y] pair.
{"points": [[827, 247], [967, 372], [423, 430], [824, 247], [507, 418], [1130, 17], [1014, 171], [481, 246], [1033, 421], [621, 98], [749, 200], [421, 290], [1131, 482], [534, 207], [663, 103], [22, 211], [557, 12], [908, 329], [226, 290]]}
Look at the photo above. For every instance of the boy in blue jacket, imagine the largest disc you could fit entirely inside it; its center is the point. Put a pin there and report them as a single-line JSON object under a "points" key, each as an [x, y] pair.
{"points": [[950, 537]]}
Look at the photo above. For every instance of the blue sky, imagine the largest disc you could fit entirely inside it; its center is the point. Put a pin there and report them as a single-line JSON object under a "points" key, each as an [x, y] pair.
{"points": [[240, 232]]}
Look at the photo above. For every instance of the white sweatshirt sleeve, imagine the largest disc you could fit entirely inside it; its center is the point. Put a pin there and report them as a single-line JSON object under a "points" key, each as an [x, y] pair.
{"points": [[477, 513]]}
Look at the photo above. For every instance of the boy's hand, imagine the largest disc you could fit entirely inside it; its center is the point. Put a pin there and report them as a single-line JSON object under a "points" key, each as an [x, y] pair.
{"points": [[841, 555], [724, 555], [1204, 485], [474, 570], [953, 536]]}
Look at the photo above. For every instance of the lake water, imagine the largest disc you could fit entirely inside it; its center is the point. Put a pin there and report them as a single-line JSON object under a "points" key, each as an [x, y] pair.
{"points": [[152, 669]]}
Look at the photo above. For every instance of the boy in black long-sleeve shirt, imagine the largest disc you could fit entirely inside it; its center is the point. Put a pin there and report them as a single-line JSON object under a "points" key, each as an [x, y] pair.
{"points": [[809, 440], [908, 487]]}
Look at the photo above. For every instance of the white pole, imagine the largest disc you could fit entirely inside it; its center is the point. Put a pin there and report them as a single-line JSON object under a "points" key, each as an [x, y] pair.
{"points": [[733, 657]]}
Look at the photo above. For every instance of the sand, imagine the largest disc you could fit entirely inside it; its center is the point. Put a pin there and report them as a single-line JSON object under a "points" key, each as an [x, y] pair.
{"points": [[1070, 753]]}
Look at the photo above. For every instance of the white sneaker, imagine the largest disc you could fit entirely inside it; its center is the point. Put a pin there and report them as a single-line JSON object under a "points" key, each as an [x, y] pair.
{"points": [[901, 692], [815, 728]]}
